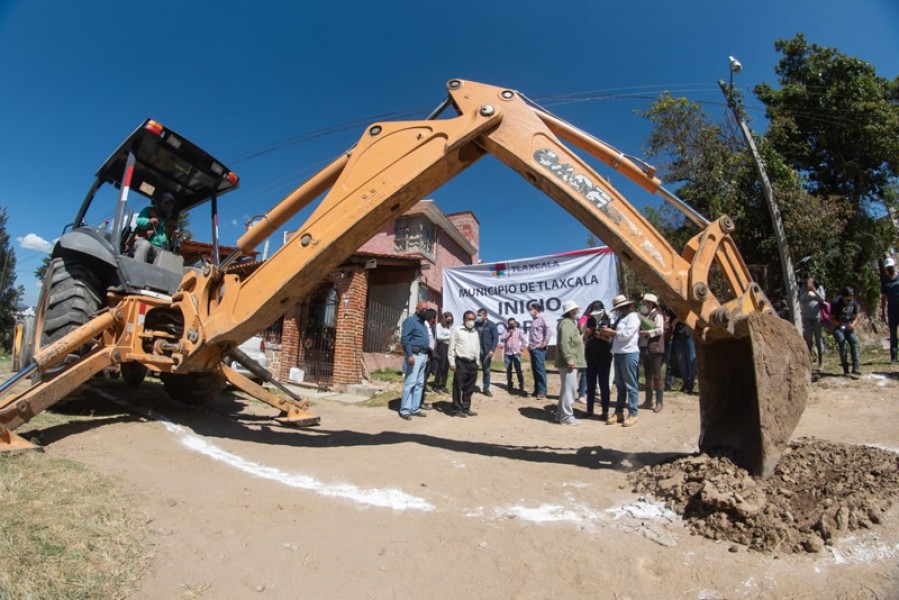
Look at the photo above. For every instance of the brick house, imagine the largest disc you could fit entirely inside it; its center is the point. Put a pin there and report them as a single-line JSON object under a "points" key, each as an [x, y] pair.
{"points": [[354, 316]]}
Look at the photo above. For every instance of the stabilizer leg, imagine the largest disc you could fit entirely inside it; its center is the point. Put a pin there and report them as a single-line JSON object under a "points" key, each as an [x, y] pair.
{"points": [[293, 410], [21, 408], [11, 442]]}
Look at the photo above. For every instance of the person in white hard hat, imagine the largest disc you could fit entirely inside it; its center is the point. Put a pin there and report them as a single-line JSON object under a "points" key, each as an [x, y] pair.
{"points": [[569, 358], [652, 346], [889, 303], [625, 333]]}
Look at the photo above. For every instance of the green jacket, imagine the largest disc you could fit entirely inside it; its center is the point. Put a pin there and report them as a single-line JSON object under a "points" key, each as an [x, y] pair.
{"points": [[569, 345], [143, 228]]}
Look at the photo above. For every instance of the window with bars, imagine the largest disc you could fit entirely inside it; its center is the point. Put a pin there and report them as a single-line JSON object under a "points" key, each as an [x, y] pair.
{"points": [[415, 234]]}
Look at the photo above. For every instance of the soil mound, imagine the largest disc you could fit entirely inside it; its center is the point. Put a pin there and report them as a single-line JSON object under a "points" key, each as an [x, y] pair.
{"points": [[819, 490]]}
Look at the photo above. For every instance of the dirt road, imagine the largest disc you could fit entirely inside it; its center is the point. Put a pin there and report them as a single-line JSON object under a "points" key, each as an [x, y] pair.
{"points": [[502, 505]]}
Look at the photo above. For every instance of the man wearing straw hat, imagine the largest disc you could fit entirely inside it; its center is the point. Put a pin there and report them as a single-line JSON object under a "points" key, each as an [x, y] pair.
{"points": [[569, 358], [625, 335]]}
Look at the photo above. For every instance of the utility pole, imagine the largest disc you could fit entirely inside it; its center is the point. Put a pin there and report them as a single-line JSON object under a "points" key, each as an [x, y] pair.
{"points": [[780, 233]]}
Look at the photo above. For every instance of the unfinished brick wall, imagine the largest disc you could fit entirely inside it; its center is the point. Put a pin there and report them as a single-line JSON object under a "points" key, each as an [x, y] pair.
{"points": [[352, 296], [291, 348]]}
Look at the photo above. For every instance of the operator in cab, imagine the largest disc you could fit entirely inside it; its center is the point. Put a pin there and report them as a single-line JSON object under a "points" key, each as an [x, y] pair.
{"points": [[155, 229]]}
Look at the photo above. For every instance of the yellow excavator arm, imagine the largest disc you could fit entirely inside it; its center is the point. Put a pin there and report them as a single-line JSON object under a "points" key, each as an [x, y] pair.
{"points": [[753, 368], [396, 164]]}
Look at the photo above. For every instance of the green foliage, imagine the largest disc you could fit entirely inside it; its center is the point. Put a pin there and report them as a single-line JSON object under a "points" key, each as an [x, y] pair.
{"points": [[836, 121], [833, 119], [41, 269], [10, 295], [716, 175]]}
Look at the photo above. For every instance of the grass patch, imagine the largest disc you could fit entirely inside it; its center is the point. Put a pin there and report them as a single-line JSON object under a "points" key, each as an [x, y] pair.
{"points": [[66, 532], [381, 400], [389, 375]]}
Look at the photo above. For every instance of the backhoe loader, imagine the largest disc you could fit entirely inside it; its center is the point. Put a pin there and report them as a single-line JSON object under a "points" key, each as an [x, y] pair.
{"points": [[753, 366]]}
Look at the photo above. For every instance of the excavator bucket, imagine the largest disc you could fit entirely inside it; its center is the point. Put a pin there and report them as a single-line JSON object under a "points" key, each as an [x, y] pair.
{"points": [[753, 390]]}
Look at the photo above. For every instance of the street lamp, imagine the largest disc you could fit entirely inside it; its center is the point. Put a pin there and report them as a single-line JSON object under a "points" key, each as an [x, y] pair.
{"points": [[735, 67]]}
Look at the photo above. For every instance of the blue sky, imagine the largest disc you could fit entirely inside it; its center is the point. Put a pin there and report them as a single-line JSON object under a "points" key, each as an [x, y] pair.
{"points": [[240, 77]]}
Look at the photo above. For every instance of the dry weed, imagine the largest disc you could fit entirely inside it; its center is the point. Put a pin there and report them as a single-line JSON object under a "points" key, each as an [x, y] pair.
{"points": [[66, 532]]}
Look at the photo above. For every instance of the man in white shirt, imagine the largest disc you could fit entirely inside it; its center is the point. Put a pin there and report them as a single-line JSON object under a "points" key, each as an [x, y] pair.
{"points": [[625, 336], [464, 353]]}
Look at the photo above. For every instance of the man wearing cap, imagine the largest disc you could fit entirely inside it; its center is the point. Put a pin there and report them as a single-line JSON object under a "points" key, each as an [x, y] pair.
{"points": [[569, 358], [652, 345], [889, 303], [150, 228], [625, 334]]}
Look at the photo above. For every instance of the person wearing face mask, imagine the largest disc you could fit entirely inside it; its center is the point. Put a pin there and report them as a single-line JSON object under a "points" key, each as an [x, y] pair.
{"points": [[811, 297], [598, 352], [150, 229], [652, 347], [463, 354], [625, 334], [513, 341], [569, 358], [489, 340], [582, 327], [538, 338], [416, 349], [430, 322], [443, 332], [889, 303]]}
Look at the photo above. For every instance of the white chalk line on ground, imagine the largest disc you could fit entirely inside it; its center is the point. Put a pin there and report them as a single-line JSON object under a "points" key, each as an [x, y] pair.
{"points": [[383, 498], [639, 515], [862, 552], [641, 509]]}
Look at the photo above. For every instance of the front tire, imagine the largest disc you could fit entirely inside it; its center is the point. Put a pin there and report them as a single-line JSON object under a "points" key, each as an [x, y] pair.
{"points": [[133, 373], [193, 388]]}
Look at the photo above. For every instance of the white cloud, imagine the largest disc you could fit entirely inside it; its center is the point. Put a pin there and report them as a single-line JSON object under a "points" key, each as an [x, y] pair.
{"points": [[234, 222], [33, 241]]}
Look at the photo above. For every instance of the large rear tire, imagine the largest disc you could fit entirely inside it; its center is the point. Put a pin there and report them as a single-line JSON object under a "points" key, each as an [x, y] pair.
{"points": [[71, 295], [193, 388]]}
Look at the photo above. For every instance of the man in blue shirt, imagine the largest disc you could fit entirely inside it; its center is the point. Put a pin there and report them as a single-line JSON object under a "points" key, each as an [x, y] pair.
{"points": [[416, 349], [489, 340]]}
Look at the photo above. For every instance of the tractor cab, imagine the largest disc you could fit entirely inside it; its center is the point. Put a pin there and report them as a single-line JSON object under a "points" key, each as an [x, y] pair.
{"points": [[152, 162]]}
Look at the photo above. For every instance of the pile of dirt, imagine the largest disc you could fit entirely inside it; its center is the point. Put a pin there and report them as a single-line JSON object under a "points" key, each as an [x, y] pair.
{"points": [[818, 491]]}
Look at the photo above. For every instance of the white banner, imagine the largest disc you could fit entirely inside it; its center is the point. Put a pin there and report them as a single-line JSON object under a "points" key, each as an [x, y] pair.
{"points": [[506, 288]]}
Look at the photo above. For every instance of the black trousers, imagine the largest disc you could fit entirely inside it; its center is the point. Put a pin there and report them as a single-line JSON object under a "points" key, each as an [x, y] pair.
{"points": [[441, 364], [463, 384]]}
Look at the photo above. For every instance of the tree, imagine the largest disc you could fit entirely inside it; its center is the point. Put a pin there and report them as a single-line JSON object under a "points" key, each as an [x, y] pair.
{"points": [[836, 121], [41, 269], [10, 295], [716, 175]]}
